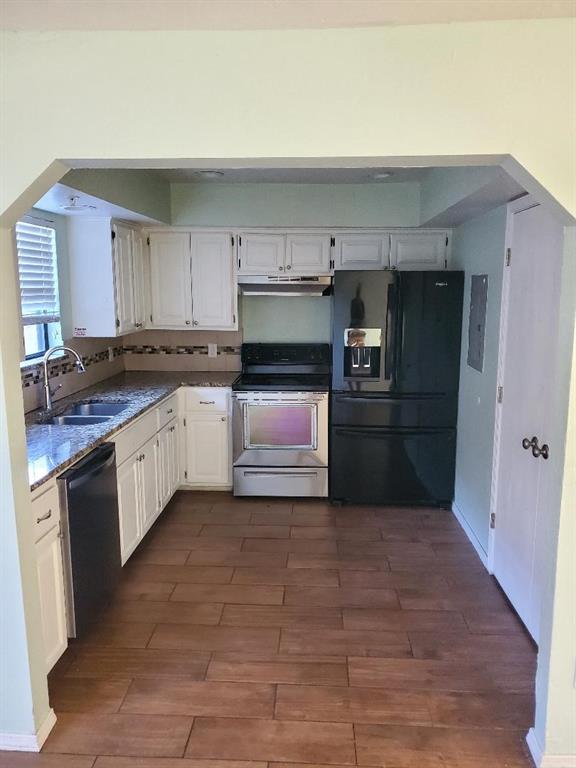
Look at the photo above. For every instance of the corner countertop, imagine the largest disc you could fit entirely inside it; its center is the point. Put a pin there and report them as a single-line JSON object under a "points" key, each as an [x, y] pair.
{"points": [[52, 448]]}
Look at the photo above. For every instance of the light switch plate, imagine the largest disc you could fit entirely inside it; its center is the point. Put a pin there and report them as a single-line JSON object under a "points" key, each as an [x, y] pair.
{"points": [[212, 350]]}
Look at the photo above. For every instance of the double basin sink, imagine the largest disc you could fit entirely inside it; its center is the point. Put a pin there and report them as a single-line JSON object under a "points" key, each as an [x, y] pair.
{"points": [[83, 414]]}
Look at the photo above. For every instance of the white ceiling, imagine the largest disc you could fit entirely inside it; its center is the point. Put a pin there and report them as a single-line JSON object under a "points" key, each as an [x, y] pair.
{"points": [[264, 14], [294, 175]]}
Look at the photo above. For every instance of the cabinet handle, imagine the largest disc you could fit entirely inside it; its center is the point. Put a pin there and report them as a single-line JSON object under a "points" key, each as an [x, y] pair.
{"points": [[171, 410], [137, 325], [44, 517], [207, 402]]}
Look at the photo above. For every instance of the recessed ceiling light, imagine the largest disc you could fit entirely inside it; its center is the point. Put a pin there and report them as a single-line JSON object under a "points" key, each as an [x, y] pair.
{"points": [[382, 175], [211, 174]]}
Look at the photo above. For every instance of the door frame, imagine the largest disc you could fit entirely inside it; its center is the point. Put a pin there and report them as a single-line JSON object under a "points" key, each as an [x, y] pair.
{"points": [[523, 203]]}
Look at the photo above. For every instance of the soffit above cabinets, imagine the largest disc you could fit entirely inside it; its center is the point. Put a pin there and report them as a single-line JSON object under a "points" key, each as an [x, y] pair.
{"points": [[369, 175], [58, 200]]}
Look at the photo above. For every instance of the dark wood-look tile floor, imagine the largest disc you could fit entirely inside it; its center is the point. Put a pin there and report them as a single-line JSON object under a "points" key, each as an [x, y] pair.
{"points": [[271, 634]]}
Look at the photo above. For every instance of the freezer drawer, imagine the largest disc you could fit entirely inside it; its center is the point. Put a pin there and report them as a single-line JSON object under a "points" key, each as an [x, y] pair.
{"points": [[370, 465]]}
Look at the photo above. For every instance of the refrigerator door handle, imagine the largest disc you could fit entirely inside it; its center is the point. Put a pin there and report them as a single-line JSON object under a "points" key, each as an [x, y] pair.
{"points": [[390, 338]]}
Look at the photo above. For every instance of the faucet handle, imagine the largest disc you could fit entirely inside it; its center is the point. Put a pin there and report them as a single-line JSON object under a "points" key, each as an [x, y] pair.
{"points": [[55, 389]]}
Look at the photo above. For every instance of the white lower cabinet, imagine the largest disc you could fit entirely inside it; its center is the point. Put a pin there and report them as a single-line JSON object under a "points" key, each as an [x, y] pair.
{"points": [[207, 448], [128, 478], [149, 486], [168, 445], [49, 572]]}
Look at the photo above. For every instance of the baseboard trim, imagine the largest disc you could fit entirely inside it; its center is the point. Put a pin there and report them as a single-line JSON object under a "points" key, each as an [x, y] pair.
{"points": [[543, 760], [19, 742], [457, 512]]}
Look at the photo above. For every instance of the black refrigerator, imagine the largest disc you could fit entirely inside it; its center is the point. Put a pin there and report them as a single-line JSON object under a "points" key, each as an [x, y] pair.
{"points": [[395, 371]]}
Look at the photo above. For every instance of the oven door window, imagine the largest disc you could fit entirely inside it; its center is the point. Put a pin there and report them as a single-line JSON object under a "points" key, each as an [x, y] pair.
{"points": [[280, 426]]}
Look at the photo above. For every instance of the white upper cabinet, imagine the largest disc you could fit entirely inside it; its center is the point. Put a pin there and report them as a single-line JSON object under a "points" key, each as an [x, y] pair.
{"points": [[192, 281], [170, 280], [362, 250], [419, 250], [124, 278], [106, 283], [139, 271], [213, 290], [261, 254], [308, 254]]}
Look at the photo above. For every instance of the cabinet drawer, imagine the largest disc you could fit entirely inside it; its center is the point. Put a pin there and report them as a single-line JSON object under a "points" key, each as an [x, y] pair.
{"points": [[45, 511], [167, 410], [130, 439], [207, 399]]}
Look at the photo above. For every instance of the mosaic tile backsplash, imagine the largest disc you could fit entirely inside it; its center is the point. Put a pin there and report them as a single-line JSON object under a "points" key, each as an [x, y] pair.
{"points": [[34, 374]]}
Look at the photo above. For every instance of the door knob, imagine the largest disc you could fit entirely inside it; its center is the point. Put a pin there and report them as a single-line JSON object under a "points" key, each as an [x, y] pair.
{"points": [[537, 450]]}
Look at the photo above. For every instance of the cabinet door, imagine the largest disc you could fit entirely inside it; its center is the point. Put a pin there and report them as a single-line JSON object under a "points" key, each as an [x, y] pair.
{"points": [[308, 254], [123, 279], [174, 463], [164, 468], [148, 483], [52, 603], [207, 450], [362, 251], [138, 270], [418, 250], [261, 254], [213, 289], [129, 506], [170, 280]]}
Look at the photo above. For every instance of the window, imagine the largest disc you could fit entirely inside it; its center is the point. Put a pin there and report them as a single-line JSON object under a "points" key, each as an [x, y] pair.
{"points": [[38, 274]]}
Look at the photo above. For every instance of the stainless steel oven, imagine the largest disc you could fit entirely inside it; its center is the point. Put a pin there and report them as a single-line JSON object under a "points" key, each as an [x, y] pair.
{"points": [[280, 443]]}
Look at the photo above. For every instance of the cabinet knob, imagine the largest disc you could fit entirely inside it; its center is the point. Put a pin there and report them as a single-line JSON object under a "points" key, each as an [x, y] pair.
{"points": [[195, 322], [281, 269], [223, 418], [187, 322], [289, 266]]}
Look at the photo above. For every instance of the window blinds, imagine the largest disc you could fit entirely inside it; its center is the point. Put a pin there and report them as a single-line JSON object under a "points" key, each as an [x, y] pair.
{"points": [[38, 271]]}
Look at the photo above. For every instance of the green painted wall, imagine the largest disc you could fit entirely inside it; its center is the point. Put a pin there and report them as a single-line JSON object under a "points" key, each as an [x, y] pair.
{"points": [[289, 205], [478, 248], [138, 191], [296, 318]]}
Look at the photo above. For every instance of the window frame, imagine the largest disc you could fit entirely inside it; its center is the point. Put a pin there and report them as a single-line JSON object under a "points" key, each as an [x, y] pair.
{"points": [[37, 221]]}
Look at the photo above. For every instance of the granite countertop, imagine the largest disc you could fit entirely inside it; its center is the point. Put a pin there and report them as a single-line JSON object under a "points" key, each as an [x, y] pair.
{"points": [[52, 448]]}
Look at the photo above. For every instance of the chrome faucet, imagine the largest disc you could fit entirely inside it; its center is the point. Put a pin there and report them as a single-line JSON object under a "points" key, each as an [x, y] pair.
{"points": [[79, 367]]}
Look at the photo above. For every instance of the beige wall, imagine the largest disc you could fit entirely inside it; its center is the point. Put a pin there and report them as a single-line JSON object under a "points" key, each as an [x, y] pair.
{"points": [[440, 91], [430, 91]]}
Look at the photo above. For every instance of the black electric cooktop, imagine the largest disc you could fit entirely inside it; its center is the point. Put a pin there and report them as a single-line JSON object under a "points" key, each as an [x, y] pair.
{"points": [[254, 382], [284, 367]]}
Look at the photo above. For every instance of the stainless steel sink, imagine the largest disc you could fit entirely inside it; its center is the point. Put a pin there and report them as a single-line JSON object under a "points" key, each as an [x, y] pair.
{"points": [[101, 408], [80, 421]]}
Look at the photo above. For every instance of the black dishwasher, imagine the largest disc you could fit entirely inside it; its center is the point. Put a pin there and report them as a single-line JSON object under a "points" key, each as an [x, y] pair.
{"points": [[91, 535]]}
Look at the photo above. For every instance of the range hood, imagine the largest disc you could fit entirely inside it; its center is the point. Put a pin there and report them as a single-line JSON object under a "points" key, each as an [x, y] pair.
{"points": [[263, 285]]}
